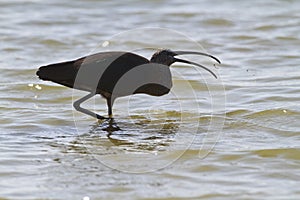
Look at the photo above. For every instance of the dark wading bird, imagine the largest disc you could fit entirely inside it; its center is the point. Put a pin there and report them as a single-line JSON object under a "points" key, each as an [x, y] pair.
{"points": [[117, 74]]}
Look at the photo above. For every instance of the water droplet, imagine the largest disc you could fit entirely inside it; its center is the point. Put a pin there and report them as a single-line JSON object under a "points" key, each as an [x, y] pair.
{"points": [[38, 87], [105, 43]]}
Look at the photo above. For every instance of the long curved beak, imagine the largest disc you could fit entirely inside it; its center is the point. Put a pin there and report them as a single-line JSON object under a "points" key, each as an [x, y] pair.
{"points": [[193, 63], [197, 53]]}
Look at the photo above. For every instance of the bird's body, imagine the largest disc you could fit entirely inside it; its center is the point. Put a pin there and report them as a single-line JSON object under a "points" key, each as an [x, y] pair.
{"points": [[65, 73], [116, 74]]}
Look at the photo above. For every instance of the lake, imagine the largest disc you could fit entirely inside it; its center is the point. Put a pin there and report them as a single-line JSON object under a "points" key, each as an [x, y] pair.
{"points": [[234, 137]]}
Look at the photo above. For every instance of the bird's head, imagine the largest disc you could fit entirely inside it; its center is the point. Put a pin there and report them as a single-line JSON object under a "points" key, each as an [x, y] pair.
{"points": [[167, 57]]}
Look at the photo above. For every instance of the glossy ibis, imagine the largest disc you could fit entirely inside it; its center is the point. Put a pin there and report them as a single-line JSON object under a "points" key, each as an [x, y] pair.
{"points": [[116, 74]]}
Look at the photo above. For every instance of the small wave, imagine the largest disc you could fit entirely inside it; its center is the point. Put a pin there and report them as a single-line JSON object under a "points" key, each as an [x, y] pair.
{"points": [[288, 153], [218, 22], [52, 42], [277, 121]]}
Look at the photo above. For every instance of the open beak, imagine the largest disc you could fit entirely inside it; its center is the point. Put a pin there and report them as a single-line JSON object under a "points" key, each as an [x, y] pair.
{"points": [[193, 63]]}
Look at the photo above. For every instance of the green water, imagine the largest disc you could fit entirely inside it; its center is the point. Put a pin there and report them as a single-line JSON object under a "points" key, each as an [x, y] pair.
{"points": [[235, 137]]}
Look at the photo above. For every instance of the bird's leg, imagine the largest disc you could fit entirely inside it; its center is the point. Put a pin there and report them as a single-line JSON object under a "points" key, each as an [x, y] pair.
{"points": [[77, 103], [109, 105]]}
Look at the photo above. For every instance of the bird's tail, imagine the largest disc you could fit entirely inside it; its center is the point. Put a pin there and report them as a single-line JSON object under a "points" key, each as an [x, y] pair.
{"points": [[63, 73]]}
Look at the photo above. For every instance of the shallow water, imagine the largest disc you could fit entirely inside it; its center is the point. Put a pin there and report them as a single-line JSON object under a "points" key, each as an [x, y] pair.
{"points": [[235, 137]]}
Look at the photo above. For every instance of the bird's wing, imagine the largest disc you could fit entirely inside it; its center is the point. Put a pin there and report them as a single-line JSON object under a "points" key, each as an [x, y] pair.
{"points": [[95, 72]]}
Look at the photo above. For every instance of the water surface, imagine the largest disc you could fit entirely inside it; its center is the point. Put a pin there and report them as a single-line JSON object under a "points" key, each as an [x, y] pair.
{"points": [[247, 119]]}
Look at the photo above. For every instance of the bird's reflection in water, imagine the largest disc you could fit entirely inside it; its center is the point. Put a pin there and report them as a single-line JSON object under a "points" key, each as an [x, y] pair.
{"points": [[140, 134], [109, 126]]}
